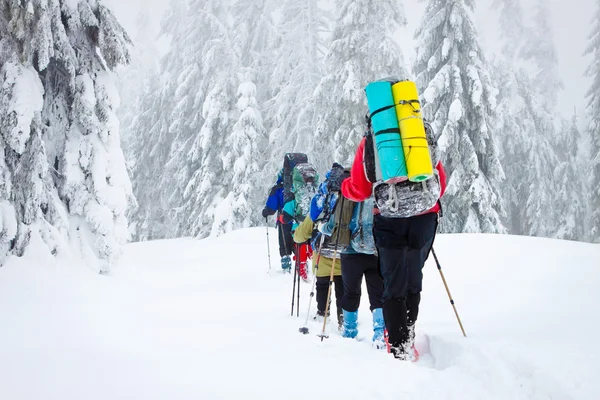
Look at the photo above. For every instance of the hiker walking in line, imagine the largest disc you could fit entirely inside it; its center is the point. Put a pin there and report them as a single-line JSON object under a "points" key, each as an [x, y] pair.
{"points": [[274, 205], [406, 209], [358, 259]]}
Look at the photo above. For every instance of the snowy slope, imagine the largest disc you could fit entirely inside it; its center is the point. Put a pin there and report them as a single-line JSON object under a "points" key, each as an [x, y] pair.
{"points": [[187, 319]]}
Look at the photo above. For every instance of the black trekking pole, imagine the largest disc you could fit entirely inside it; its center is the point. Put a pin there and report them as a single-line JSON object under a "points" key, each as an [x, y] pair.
{"points": [[268, 245], [298, 276], [304, 330], [296, 295], [439, 267], [335, 253], [294, 292]]}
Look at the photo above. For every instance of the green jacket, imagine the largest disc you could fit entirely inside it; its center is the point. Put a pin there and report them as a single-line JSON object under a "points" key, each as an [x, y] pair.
{"points": [[304, 233]]}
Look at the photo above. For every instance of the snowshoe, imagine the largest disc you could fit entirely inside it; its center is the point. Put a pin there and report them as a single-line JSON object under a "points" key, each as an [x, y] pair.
{"points": [[413, 354], [319, 316]]}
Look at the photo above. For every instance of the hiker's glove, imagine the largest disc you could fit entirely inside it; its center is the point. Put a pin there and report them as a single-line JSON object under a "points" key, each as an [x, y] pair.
{"points": [[265, 212]]}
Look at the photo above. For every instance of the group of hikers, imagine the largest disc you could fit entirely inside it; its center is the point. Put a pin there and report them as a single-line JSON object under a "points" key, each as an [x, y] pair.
{"points": [[362, 222]]}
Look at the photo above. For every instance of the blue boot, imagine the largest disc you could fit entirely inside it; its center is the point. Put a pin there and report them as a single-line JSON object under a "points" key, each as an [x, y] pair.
{"points": [[378, 327], [350, 324], [286, 264]]}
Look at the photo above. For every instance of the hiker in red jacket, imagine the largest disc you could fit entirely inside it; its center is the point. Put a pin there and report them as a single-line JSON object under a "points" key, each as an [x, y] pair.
{"points": [[403, 243]]}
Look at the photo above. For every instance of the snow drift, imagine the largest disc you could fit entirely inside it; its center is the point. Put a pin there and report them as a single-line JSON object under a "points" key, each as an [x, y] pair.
{"points": [[188, 319]]}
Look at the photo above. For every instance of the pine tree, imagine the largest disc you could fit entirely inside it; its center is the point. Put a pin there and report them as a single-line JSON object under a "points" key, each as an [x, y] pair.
{"points": [[254, 36], [361, 51], [137, 77], [570, 200], [593, 128], [541, 87], [511, 26], [514, 124], [297, 68], [197, 71], [540, 50], [63, 172], [525, 143], [458, 99], [246, 144]]}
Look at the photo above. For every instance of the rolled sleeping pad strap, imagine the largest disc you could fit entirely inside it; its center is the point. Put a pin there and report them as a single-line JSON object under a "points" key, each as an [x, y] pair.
{"points": [[412, 130], [388, 143]]}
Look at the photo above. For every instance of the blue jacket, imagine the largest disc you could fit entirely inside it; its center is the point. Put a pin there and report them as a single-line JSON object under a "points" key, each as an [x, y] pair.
{"points": [[275, 199], [275, 202]]}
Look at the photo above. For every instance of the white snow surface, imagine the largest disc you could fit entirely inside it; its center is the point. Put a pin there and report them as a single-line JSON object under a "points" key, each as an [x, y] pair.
{"points": [[190, 319]]}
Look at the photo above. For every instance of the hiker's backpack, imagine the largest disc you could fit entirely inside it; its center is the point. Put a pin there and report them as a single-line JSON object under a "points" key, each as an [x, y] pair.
{"points": [[403, 199], [398, 128], [361, 227], [339, 221], [305, 184], [337, 211], [290, 161], [342, 216]]}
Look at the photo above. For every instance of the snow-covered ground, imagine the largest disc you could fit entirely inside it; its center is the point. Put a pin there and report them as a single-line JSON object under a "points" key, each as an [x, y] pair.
{"points": [[188, 319]]}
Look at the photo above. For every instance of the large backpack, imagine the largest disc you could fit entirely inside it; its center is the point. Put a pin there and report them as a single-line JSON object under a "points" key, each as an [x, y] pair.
{"points": [[342, 216], [403, 199], [336, 214], [305, 184], [289, 163]]}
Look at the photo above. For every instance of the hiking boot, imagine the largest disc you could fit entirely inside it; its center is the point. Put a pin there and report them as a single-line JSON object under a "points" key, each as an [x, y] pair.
{"points": [[399, 352], [286, 264], [411, 335], [350, 324], [378, 327], [340, 319]]}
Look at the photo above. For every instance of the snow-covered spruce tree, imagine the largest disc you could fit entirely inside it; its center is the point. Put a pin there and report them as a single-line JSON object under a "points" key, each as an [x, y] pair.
{"points": [[134, 79], [540, 50], [246, 145], [593, 128], [570, 200], [514, 120], [362, 50], [297, 69], [254, 36], [151, 135], [198, 70], [458, 98], [63, 173], [147, 154], [541, 88], [511, 27], [514, 128]]}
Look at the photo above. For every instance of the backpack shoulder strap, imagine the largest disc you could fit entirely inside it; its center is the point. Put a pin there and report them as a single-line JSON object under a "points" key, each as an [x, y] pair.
{"points": [[369, 158]]}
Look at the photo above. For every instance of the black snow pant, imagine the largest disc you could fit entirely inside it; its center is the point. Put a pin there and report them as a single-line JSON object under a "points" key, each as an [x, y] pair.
{"points": [[404, 245], [354, 266], [322, 289], [286, 242]]}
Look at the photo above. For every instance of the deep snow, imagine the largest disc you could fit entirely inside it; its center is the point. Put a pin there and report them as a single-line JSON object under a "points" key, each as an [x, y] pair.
{"points": [[188, 319]]}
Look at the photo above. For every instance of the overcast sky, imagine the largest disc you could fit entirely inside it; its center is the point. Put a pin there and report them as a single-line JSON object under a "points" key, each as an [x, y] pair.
{"points": [[572, 24]]}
